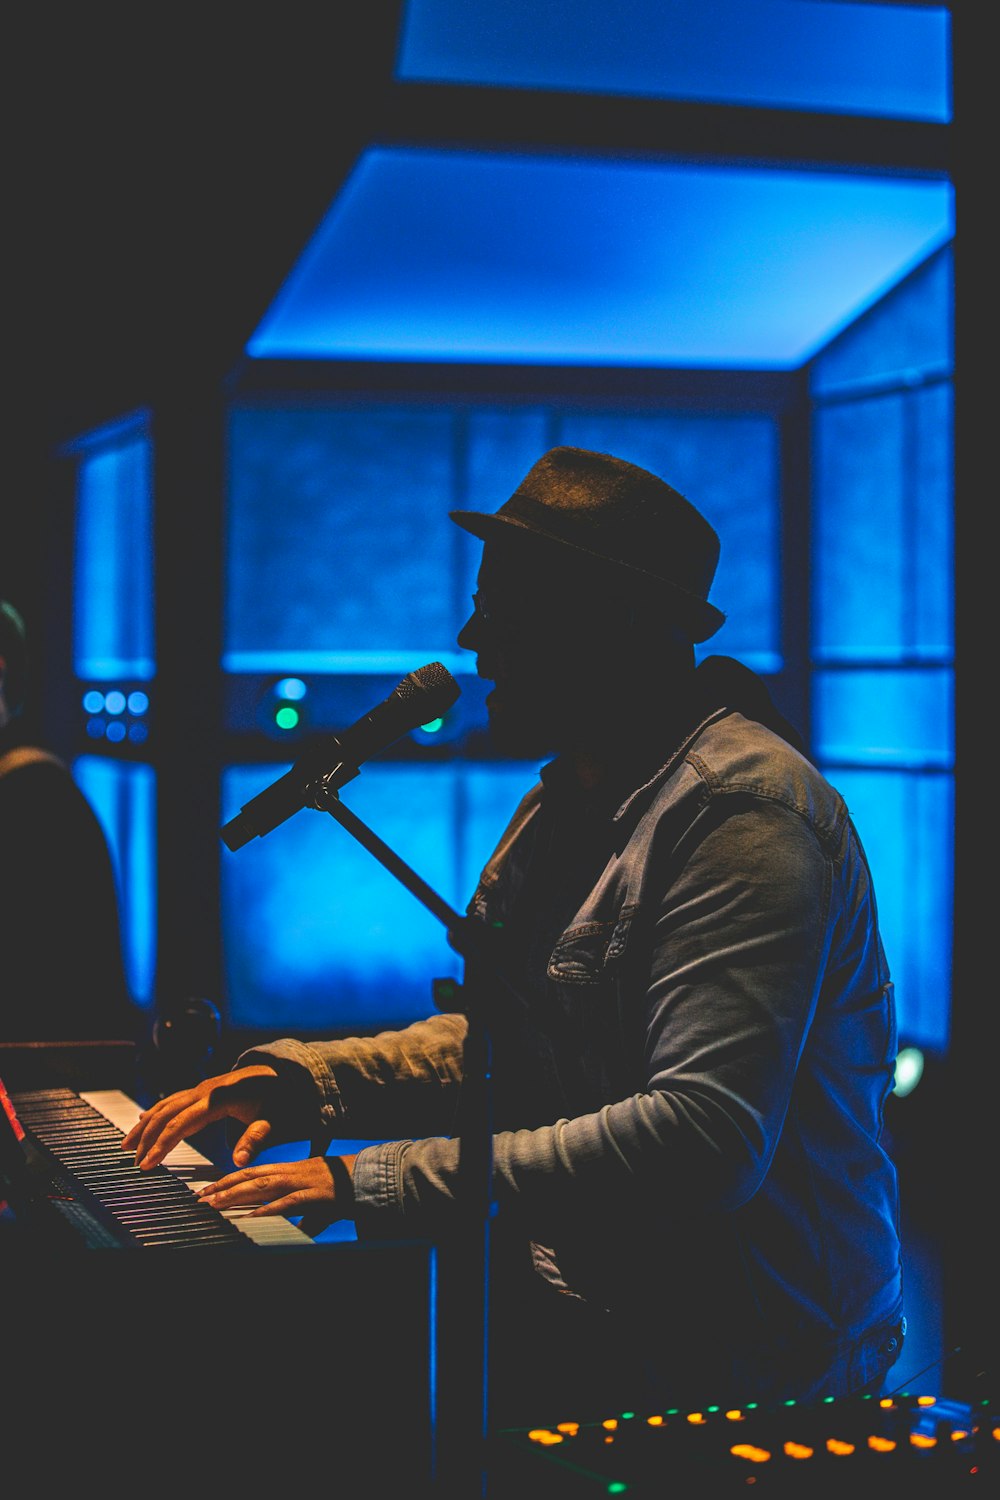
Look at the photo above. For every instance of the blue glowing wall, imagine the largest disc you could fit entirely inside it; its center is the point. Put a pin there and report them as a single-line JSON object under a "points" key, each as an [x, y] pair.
{"points": [[883, 581], [490, 257], [123, 795], [113, 559], [341, 556], [906, 822], [342, 564], [318, 934], [806, 54], [342, 561]]}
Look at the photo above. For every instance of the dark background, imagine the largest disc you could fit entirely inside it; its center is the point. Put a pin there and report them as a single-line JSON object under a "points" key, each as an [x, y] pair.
{"points": [[165, 166]]}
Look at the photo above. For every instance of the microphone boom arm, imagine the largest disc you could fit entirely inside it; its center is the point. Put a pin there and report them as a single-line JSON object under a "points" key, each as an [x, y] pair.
{"points": [[324, 798]]}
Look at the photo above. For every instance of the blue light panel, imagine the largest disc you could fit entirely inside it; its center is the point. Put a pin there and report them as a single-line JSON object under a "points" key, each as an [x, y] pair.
{"points": [[113, 563], [907, 336], [341, 557], [317, 934], [882, 582], [436, 256], [340, 553], [904, 718], [883, 522], [883, 527], [867, 59], [906, 823], [123, 795]]}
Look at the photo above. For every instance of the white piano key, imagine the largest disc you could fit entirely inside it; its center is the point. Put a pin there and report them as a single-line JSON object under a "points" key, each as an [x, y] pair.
{"points": [[188, 1164]]}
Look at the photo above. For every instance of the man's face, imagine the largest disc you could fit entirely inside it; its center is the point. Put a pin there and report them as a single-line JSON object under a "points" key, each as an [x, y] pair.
{"points": [[537, 633]]}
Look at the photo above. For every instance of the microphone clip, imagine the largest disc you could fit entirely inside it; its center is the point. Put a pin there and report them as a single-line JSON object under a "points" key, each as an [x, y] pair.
{"points": [[326, 787]]}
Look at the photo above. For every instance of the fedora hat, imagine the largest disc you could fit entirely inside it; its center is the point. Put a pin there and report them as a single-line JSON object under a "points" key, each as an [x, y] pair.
{"points": [[621, 516]]}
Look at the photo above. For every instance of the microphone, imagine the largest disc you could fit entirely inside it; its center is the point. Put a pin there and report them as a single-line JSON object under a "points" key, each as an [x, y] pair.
{"points": [[422, 695]]}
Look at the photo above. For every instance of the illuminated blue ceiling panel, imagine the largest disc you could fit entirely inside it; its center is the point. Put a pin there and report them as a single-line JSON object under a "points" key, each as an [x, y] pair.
{"points": [[464, 256], [881, 60]]}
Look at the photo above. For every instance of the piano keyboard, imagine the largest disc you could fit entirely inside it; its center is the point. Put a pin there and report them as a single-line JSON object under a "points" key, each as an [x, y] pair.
{"points": [[83, 1132]]}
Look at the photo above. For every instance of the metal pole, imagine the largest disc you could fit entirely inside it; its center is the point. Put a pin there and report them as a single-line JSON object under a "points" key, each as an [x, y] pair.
{"points": [[463, 1347]]}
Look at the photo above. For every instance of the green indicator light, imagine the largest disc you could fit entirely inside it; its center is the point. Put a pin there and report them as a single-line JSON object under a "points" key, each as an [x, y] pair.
{"points": [[286, 717], [627, 1415], [712, 1408], [828, 1399], [751, 1406], [432, 727], [789, 1403], [617, 1488], [496, 922], [673, 1411]]}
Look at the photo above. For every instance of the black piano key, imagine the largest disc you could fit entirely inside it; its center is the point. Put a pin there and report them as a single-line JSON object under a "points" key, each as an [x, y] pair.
{"points": [[183, 1235], [148, 1209]]}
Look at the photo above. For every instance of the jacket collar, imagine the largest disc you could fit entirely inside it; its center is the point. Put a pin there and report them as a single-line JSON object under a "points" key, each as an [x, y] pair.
{"points": [[721, 686]]}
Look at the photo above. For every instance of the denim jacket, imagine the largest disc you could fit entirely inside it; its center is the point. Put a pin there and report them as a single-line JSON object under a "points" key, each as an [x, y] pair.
{"points": [[717, 1045]]}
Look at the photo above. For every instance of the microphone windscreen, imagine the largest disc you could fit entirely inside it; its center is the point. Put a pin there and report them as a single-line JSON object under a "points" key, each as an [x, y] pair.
{"points": [[433, 684]]}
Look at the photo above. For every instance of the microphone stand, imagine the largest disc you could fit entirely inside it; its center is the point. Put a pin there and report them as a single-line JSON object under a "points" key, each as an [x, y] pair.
{"points": [[462, 1418]]}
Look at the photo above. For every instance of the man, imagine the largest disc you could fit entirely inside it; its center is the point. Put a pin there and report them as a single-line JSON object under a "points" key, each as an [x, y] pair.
{"points": [[694, 1204], [63, 970]]}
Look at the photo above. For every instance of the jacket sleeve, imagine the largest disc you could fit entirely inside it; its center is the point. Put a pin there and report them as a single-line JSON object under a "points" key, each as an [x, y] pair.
{"points": [[374, 1087], [722, 1001]]}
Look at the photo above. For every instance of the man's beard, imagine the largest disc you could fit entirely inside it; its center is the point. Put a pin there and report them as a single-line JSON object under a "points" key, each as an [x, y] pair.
{"points": [[522, 727]]}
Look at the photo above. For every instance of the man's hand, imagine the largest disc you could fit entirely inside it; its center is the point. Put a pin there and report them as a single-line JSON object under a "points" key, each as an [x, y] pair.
{"points": [[287, 1187], [243, 1095]]}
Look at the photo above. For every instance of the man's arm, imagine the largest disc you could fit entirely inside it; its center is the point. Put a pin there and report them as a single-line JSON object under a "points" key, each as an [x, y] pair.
{"points": [[395, 1083], [290, 1089], [735, 962]]}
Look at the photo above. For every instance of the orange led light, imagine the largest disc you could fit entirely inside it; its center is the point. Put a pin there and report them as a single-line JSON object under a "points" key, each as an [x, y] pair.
{"points": [[750, 1452], [926, 1400], [734, 1416], [654, 1421], [923, 1440], [798, 1450], [888, 1403], [959, 1434], [838, 1447], [610, 1423], [544, 1436], [696, 1417], [572, 1428], [881, 1444]]}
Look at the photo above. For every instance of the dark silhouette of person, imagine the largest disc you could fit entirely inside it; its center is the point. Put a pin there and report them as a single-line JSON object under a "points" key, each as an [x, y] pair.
{"points": [[694, 1199], [63, 975]]}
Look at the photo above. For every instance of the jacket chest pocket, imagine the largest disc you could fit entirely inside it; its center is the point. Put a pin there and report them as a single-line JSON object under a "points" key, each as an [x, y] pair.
{"points": [[585, 974], [593, 951]]}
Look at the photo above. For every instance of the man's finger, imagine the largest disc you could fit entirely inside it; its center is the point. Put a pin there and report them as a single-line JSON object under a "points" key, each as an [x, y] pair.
{"points": [[150, 1152], [153, 1116], [251, 1141]]}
